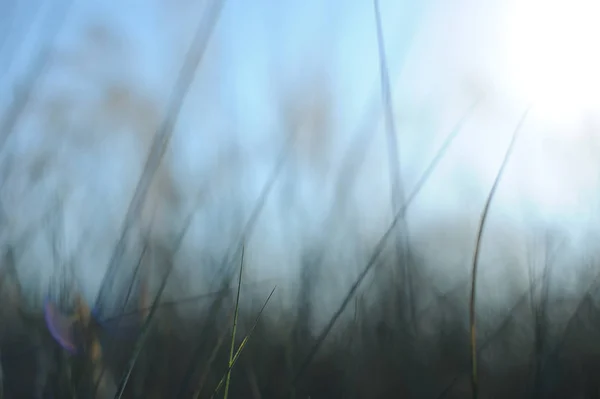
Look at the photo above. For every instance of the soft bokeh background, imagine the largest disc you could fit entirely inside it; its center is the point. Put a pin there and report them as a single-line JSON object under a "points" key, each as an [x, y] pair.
{"points": [[309, 69]]}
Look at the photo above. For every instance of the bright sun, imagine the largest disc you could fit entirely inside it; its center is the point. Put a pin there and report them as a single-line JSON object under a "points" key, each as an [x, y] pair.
{"points": [[553, 56]]}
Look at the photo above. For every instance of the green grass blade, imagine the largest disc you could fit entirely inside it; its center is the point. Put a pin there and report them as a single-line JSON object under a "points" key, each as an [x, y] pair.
{"points": [[235, 319], [472, 326], [242, 345]]}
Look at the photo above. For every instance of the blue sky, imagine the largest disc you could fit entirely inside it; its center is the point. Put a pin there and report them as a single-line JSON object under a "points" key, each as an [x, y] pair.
{"points": [[442, 56]]}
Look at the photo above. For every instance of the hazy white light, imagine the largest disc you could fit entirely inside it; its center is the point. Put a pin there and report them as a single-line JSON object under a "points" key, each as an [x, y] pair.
{"points": [[553, 55]]}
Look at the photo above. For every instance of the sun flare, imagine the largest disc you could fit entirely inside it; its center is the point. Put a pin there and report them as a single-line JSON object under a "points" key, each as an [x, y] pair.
{"points": [[553, 56]]}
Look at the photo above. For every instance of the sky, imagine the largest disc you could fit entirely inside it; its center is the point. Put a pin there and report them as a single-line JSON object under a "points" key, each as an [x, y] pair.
{"points": [[98, 102]]}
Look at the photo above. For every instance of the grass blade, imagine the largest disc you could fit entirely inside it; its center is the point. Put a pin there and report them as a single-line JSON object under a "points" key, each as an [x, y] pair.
{"points": [[235, 319], [161, 140], [241, 347], [143, 336], [226, 272], [211, 359], [472, 327], [401, 245], [382, 242]]}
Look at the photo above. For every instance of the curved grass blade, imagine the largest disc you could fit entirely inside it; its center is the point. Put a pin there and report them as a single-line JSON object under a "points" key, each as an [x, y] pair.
{"points": [[472, 326]]}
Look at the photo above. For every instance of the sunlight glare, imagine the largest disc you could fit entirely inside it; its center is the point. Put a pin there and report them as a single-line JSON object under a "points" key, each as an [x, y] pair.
{"points": [[553, 56]]}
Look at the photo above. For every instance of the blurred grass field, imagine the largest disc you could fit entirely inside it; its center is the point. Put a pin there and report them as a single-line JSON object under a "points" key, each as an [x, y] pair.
{"points": [[338, 300]]}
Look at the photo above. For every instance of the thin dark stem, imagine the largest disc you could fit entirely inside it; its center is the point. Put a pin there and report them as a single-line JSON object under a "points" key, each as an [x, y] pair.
{"points": [[161, 140], [226, 268], [235, 321], [484, 214], [397, 189], [143, 336], [378, 248]]}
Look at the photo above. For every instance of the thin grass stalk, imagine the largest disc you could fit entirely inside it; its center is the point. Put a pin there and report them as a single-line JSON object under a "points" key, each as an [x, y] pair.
{"points": [[211, 359], [533, 285], [350, 164], [397, 189], [484, 214], [224, 285], [352, 160], [162, 139], [155, 305], [235, 320], [242, 345], [433, 164], [112, 346], [143, 336], [499, 329], [378, 248], [195, 357], [136, 272]]}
